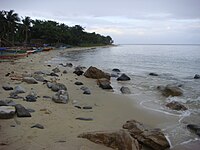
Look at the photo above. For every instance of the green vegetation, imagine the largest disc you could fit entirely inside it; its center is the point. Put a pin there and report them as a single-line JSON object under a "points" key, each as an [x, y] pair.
{"points": [[14, 31]]}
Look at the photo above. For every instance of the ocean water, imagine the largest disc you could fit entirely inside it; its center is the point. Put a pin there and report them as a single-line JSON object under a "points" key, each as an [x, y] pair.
{"points": [[175, 64]]}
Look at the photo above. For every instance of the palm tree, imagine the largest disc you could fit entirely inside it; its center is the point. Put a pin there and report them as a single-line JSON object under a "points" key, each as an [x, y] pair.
{"points": [[12, 20], [2, 25], [26, 23]]}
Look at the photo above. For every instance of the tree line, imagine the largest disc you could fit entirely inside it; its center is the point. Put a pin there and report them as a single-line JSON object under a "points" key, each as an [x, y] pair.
{"points": [[16, 31]]}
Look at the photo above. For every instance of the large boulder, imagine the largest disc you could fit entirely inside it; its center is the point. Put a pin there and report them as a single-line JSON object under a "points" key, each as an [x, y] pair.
{"points": [[123, 77], [120, 140], [61, 97], [176, 106], [7, 112], [104, 83], [170, 90], [95, 73], [22, 111], [152, 138]]}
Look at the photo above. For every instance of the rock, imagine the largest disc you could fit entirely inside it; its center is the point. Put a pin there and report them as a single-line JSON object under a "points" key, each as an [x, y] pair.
{"points": [[95, 73], [7, 112], [47, 97], [152, 138], [7, 103], [197, 76], [84, 119], [15, 96], [18, 89], [49, 84], [79, 107], [39, 78], [78, 72], [78, 83], [29, 80], [123, 77], [53, 74], [32, 92], [176, 106], [58, 86], [3, 103], [31, 98], [87, 107], [69, 65], [170, 90], [104, 83], [86, 90], [116, 70], [56, 70], [120, 140], [61, 97], [153, 74], [30, 110], [65, 72], [7, 87], [125, 90], [195, 128], [22, 111], [39, 126]]}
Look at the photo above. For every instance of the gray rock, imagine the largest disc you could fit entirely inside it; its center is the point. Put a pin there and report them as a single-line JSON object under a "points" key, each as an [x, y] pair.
{"points": [[29, 80], [69, 65], [153, 74], [176, 106], [104, 83], [22, 111], [32, 92], [86, 90], [197, 76], [152, 138], [53, 74], [170, 90], [39, 78], [84, 119], [78, 83], [61, 97], [30, 110], [123, 77], [118, 140], [195, 128], [114, 74], [3, 103], [65, 72], [78, 72], [7, 103], [15, 96], [39, 126], [49, 84], [31, 98], [125, 90], [56, 70], [18, 89], [58, 86], [116, 70], [7, 112], [7, 87]]}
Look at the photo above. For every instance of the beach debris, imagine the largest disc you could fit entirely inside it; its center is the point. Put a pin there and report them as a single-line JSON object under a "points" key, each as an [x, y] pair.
{"points": [[22, 111], [29, 80], [116, 70], [86, 90], [196, 76], [84, 118], [7, 87], [170, 90], [61, 96], [176, 106], [153, 74], [104, 83], [95, 73], [125, 90], [7, 112], [195, 128], [152, 138], [123, 77], [39, 126], [120, 139], [56, 70], [78, 83], [57, 86]]}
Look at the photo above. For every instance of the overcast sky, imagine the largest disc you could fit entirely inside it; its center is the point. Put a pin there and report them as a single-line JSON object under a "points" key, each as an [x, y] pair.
{"points": [[126, 21]]}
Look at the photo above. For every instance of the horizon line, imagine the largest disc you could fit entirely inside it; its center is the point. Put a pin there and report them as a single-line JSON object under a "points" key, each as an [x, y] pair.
{"points": [[158, 44]]}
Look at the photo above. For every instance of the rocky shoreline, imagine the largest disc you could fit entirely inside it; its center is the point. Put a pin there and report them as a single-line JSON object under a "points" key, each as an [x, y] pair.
{"points": [[66, 101]]}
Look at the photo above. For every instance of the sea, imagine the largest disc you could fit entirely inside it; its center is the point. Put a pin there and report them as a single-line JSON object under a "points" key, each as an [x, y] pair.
{"points": [[174, 64]]}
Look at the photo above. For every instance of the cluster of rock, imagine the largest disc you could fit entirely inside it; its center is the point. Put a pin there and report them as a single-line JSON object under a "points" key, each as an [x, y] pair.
{"points": [[133, 136]]}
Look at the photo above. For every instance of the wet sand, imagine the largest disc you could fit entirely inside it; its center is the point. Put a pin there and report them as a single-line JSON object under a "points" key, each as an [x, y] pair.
{"points": [[109, 110]]}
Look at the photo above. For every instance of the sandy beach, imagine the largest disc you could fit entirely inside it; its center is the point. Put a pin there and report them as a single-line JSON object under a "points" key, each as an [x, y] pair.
{"points": [[109, 110]]}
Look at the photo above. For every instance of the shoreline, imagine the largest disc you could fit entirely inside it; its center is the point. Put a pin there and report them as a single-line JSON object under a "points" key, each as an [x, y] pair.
{"points": [[110, 110]]}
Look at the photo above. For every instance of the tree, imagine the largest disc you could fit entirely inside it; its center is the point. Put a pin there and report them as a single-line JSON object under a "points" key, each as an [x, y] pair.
{"points": [[26, 23]]}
